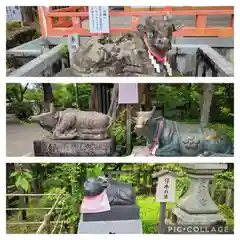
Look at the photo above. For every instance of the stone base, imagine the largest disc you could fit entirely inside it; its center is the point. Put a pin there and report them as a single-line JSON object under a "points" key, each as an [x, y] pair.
{"points": [[74, 148], [117, 213], [141, 151], [111, 227], [184, 218]]}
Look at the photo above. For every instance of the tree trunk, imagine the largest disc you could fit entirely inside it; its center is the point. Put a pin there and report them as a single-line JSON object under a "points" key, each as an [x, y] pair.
{"points": [[208, 90], [48, 95], [27, 15]]}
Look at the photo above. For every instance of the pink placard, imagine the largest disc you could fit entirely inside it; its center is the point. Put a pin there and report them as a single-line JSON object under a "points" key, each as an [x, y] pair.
{"points": [[128, 93], [95, 204]]}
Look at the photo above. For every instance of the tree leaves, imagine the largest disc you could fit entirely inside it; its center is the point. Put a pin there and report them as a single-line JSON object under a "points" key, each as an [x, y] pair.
{"points": [[23, 179]]}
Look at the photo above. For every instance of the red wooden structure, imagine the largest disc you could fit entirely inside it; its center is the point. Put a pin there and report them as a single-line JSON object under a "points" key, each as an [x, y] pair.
{"points": [[68, 21]]}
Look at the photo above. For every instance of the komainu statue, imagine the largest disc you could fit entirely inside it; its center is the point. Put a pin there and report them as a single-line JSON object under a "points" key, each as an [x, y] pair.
{"points": [[170, 138], [74, 124], [130, 54]]}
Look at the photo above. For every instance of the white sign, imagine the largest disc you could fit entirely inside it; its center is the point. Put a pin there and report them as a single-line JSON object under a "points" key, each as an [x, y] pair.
{"points": [[98, 19], [166, 189], [128, 93], [13, 14]]}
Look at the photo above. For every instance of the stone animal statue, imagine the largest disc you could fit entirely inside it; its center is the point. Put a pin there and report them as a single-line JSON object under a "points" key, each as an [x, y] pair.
{"points": [[74, 124], [118, 193], [170, 138], [127, 54]]}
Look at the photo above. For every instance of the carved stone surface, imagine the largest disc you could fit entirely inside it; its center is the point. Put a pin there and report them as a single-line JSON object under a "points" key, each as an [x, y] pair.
{"points": [[74, 148], [197, 206]]}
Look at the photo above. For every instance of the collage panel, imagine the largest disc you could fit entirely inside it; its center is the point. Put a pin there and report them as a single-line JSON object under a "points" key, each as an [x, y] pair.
{"points": [[123, 41], [119, 120], [120, 198], [93, 90]]}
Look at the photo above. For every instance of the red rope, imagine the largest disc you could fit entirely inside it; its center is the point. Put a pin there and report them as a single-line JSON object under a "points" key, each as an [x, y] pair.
{"points": [[157, 137], [159, 58]]}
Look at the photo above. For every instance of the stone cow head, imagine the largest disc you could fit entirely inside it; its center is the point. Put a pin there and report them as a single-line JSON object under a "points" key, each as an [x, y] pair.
{"points": [[159, 33], [142, 120], [95, 186], [46, 120]]}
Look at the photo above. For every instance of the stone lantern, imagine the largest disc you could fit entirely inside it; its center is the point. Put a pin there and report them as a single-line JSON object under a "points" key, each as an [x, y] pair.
{"points": [[196, 207]]}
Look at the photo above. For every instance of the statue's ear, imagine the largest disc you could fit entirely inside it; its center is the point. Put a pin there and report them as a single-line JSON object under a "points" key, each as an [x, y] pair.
{"points": [[145, 121], [176, 27], [141, 28]]}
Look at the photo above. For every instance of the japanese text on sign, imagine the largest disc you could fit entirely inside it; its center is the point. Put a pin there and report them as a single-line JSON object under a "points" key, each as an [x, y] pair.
{"points": [[98, 19], [166, 189]]}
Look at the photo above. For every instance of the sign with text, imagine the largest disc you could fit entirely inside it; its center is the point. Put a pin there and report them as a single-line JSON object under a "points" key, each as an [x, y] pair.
{"points": [[13, 14], [98, 19], [166, 189]]}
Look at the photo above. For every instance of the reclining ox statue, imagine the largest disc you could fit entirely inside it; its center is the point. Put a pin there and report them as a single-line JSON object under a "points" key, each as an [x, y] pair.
{"points": [[118, 193], [130, 54], [74, 124], [170, 138]]}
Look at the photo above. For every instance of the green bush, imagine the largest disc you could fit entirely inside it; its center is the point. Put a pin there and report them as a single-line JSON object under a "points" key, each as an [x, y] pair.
{"points": [[22, 110], [12, 25]]}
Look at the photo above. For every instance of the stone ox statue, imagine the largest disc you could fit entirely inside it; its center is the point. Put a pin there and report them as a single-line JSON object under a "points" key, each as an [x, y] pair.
{"points": [[170, 138], [127, 54], [74, 124]]}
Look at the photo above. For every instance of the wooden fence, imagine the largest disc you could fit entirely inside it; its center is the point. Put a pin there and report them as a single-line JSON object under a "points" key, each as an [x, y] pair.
{"points": [[68, 21]]}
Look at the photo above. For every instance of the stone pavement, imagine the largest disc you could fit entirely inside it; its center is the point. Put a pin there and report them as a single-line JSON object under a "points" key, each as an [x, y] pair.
{"points": [[19, 138]]}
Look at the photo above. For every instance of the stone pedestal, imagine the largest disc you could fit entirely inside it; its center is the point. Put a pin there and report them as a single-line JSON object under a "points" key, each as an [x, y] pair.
{"points": [[111, 227], [74, 148], [196, 207], [121, 219], [141, 151], [117, 213]]}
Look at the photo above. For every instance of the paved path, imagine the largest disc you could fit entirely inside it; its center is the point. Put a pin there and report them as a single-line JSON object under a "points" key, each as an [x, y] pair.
{"points": [[20, 138]]}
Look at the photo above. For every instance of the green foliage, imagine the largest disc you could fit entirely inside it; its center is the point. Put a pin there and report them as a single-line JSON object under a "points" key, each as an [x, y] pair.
{"points": [[119, 131], [64, 50], [68, 179], [227, 213], [13, 25], [65, 95], [22, 110], [15, 92], [22, 179], [226, 175], [224, 129]]}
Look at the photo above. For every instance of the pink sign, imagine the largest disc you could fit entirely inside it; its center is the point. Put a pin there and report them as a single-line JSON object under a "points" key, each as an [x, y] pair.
{"points": [[128, 93]]}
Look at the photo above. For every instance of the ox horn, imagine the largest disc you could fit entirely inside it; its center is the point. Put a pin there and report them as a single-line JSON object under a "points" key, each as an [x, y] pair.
{"points": [[154, 108]]}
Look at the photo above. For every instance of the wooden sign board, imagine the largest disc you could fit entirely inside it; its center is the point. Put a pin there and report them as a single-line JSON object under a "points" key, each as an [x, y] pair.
{"points": [[166, 188], [99, 19]]}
